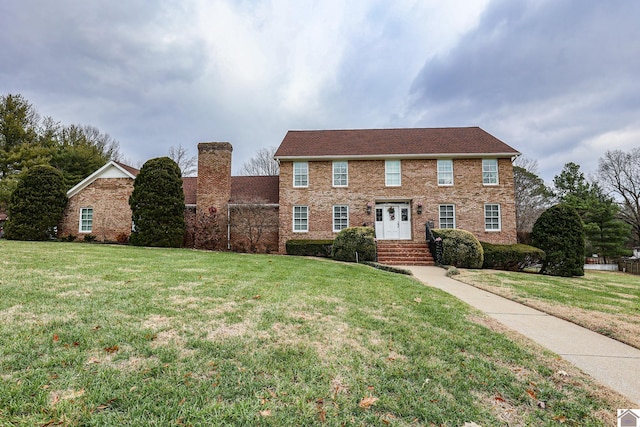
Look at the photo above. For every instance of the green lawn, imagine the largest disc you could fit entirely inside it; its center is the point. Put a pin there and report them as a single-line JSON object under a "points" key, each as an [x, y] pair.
{"points": [[606, 302], [112, 335]]}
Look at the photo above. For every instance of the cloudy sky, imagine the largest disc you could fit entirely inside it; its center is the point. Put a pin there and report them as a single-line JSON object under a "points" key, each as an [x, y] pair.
{"points": [[559, 80]]}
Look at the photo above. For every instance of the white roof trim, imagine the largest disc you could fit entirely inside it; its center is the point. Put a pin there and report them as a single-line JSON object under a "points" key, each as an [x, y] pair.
{"points": [[400, 156], [97, 174]]}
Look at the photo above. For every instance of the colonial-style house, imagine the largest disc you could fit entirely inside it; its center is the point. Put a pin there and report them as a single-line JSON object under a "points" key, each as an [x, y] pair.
{"points": [[395, 180]]}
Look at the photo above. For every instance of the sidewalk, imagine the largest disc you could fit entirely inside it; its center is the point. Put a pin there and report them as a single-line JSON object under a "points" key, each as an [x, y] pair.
{"points": [[608, 361]]}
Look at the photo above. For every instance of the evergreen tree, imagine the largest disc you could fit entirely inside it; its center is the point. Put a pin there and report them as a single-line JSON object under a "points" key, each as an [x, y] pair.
{"points": [[157, 205], [560, 234], [36, 205], [605, 232]]}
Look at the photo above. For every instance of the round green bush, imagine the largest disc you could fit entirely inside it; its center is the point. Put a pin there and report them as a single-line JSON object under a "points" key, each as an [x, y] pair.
{"points": [[349, 241], [460, 248], [559, 232]]}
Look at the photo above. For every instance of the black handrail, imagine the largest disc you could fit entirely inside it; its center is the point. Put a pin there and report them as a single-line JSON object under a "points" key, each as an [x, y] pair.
{"points": [[435, 243]]}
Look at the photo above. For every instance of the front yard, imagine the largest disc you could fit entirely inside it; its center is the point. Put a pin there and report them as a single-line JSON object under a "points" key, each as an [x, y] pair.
{"points": [[605, 302], [114, 335]]}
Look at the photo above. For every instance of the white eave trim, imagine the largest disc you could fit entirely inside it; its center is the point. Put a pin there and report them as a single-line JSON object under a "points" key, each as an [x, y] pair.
{"points": [[400, 156], [88, 180]]}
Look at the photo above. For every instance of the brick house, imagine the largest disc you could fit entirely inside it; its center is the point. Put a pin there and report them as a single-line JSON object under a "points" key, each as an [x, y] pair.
{"points": [[394, 180]]}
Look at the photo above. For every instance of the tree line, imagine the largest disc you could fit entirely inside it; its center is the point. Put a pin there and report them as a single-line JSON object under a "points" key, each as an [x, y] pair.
{"points": [[28, 139], [608, 204]]}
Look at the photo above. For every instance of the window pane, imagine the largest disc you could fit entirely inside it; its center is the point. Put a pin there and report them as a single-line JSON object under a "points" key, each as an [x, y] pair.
{"points": [[445, 172], [447, 216], [300, 218], [392, 172], [340, 174], [340, 217], [492, 217], [489, 171], [300, 174], [378, 214], [86, 219]]}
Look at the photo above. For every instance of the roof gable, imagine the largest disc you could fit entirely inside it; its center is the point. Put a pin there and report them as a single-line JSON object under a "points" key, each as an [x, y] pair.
{"points": [[372, 143], [110, 170]]}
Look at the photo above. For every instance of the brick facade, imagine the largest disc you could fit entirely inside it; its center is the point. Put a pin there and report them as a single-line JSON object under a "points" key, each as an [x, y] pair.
{"points": [[109, 199], [419, 186]]}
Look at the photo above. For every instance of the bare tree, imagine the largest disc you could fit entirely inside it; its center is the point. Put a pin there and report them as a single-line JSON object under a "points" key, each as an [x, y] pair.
{"points": [[532, 196], [620, 174], [252, 222], [180, 155], [262, 164]]}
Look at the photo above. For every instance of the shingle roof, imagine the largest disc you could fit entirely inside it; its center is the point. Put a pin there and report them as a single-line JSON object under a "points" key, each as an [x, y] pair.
{"points": [[249, 188], [190, 188], [133, 171], [389, 142]]}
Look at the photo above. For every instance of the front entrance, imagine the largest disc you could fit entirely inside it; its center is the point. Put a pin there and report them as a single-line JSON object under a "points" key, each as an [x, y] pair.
{"points": [[393, 221]]}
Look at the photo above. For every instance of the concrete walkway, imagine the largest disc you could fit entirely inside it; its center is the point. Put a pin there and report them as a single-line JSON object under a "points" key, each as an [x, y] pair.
{"points": [[608, 361]]}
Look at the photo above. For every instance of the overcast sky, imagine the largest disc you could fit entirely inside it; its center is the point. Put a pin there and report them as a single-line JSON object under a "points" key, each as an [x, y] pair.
{"points": [[558, 80]]}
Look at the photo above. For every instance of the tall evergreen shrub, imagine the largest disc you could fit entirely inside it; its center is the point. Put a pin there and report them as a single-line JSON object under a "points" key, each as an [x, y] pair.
{"points": [[157, 205], [36, 205], [560, 234]]}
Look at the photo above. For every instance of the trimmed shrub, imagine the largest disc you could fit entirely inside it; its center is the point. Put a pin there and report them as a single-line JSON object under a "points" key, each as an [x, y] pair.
{"points": [[511, 257], [36, 205], [352, 240], [318, 248], [460, 248], [560, 234], [157, 205], [89, 238]]}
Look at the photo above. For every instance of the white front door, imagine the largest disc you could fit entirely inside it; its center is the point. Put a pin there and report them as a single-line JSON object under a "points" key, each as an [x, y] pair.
{"points": [[393, 221]]}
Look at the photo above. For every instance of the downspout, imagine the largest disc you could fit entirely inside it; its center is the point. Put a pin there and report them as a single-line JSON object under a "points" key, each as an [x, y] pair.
{"points": [[228, 227]]}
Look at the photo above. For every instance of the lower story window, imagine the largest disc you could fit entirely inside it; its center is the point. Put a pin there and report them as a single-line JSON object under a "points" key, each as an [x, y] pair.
{"points": [[86, 220], [447, 216], [301, 218], [492, 217], [340, 217]]}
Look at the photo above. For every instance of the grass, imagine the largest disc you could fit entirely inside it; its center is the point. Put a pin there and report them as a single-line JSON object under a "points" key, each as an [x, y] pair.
{"points": [[605, 302], [97, 335]]}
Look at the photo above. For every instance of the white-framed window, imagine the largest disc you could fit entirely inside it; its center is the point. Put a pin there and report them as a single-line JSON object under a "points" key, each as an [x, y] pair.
{"points": [[340, 174], [492, 217], [86, 220], [447, 216], [445, 172], [490, 171], [300, 174], [393, 176], [301, 219], [340, 217]]}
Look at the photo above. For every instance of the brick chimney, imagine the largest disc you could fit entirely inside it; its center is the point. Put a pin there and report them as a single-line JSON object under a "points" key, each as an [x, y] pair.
{"points": [[213, 193]]}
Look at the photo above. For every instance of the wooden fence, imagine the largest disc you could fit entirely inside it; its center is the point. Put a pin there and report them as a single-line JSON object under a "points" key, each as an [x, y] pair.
{"points": [[629, 266]]}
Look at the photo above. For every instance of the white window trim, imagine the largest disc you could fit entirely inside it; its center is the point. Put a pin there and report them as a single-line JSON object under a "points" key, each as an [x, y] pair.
{"points": [[294, 174], [440, 217], [497, 171], [333, 212], [333, 173], [438, 173], [293, 213], [80, 230], [493, 230], [386, 173]]}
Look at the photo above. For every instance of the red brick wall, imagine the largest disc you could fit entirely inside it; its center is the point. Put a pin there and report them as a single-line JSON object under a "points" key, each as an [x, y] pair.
{"points": [[109, 199], [213, 194], [419, 185]]}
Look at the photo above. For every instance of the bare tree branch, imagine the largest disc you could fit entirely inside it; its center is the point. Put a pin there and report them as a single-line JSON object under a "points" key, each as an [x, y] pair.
{"points": [[180, 155], [262, 164]]}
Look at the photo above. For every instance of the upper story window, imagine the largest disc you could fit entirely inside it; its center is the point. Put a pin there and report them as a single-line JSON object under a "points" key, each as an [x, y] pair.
{"points": [[447, 216], [392, 173], [340, 217], [492, 217], [301, 219], [300, 174], [86, 220], [489, 171], [340, 174], [445, 172]]}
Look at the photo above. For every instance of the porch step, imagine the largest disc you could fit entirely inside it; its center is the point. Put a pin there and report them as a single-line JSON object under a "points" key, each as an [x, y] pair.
{"points": [[398, 252]]}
